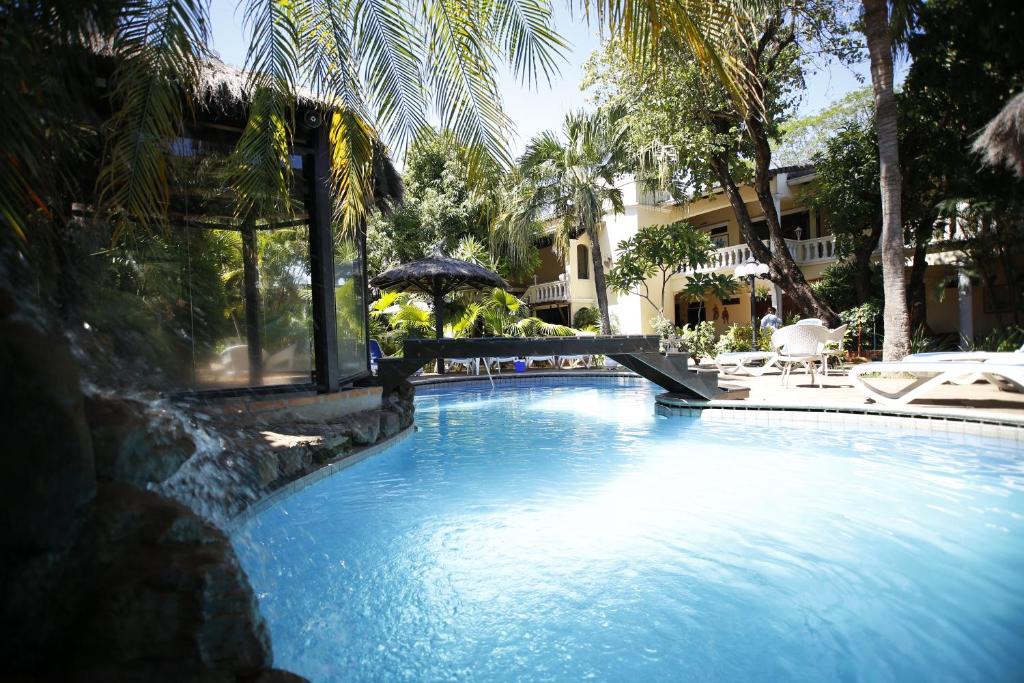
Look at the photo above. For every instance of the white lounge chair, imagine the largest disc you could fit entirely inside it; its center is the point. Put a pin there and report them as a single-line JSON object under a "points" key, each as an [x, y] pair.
{"points": [[472, 365], [574, 361], [496, 361], [530, 360], [1002, 372], [753, 363], [799, 345]]}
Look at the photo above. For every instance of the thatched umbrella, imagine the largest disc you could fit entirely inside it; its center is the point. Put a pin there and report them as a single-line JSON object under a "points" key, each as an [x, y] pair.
{"points": [[438, 275], [1002, 140]]}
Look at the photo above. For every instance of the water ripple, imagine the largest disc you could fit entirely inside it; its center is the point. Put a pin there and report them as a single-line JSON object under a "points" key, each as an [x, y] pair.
{"points": [[566, 533]]}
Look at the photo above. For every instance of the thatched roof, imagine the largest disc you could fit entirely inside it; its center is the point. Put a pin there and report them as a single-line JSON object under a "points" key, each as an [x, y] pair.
{"points": [[437, 272], [1002, 140], [226, 90]]}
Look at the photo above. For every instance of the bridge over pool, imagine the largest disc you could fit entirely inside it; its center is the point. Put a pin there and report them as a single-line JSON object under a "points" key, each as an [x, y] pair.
{"points": [[639, 353]]}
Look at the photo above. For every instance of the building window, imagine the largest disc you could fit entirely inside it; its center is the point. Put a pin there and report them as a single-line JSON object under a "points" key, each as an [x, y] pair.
{"points": [[795, 226], [582, 262], [719, 235]]}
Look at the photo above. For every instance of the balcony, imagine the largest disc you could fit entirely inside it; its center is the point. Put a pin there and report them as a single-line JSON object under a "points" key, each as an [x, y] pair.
{"points": [[545, 292], [804, 252]]}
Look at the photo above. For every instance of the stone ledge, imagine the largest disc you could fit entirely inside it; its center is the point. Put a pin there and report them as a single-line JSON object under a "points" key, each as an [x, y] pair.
{"points": [[927, 420]]}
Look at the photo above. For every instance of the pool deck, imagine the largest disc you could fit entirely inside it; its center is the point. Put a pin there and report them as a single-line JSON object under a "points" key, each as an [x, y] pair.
{"points": [[981, 402]]}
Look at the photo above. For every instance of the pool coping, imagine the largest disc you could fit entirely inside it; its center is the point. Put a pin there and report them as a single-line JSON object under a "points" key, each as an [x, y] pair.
{"points": [[917, 418], [327, 470]]}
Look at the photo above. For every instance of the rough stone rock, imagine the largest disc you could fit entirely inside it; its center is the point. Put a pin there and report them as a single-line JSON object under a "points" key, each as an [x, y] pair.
{"points": [[333, 444], [293, 461], [390, 423], [47, 476], [158, 595], [267, 464], [135, 441], [364, 427]]}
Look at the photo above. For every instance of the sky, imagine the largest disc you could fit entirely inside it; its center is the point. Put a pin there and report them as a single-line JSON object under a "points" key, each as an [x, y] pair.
{"points": [[542, 108]]}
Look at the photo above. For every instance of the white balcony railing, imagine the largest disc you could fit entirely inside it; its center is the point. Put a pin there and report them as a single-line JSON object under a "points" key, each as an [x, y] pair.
{"points": [[546, 291], [816, 250]]}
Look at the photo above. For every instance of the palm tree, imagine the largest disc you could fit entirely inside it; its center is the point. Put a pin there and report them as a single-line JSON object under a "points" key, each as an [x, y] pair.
{"points": [[381, 66], [879, 33], [575, 180]]}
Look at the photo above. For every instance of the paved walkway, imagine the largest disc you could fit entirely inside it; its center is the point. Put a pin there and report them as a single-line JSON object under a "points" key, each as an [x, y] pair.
{"points": [[837, 391]]}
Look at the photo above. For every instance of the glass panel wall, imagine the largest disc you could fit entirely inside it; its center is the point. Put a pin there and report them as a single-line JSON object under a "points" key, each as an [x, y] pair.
{"points": [[350, 305], [211, 300]]}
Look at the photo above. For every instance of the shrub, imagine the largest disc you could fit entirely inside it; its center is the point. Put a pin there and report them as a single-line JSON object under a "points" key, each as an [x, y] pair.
{"points": [[699, 340], [1004, 339], [587, 318], [739, 337], [663, 327]]}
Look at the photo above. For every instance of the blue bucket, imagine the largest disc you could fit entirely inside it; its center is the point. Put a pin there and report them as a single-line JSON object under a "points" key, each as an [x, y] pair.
{"points": [[520, 365]]}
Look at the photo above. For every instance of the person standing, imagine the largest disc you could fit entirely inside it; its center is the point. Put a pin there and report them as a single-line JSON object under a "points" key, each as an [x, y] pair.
{"points": [[771, 320]]}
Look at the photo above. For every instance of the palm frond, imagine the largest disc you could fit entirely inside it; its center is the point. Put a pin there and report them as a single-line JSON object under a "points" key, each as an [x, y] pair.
{"points": [[535, 327], [705, 27], [352, 149], [391, 48], [159, 47], [264, 171], [328, 53], [523, 28], [461, 73]]}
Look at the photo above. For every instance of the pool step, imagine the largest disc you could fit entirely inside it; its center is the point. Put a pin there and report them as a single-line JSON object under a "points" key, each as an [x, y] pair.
{"points": [[672, 372]]}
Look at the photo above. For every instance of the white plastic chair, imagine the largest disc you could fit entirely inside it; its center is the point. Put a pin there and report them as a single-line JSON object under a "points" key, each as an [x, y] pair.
{"points": [[838, 337], [799, 345]]}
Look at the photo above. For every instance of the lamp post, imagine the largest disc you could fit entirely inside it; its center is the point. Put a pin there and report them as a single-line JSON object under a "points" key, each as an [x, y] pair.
{"points": [[752, 269]]}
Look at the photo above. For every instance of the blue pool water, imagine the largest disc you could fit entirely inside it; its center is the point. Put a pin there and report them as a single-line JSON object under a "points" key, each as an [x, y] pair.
{"points": [[566, 533]]}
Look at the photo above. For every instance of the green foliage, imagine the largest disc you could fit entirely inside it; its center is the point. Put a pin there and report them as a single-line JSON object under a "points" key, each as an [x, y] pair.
{"points": [[658, 251], [574, 179], [1010, 338], [662, 326], [740, 338], [683, 117], [444, 203], [802, 139], [838, 285], [720, 285], [587, 318], [948, 96], [846, 191], [922, 342], [862, 323], [699, 340]]}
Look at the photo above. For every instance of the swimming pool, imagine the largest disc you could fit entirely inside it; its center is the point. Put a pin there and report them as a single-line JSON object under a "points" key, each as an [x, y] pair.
{"points": [[556, 532]]}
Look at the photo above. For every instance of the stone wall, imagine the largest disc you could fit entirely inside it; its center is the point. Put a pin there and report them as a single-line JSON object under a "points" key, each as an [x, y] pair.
{"points": [[107, 571]]}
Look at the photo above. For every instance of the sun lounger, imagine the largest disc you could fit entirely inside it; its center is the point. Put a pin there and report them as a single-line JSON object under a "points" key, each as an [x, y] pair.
{"points": [[530, 360], [573, 361], [498, 360], [753, 363], [928, 374], [472, 365]]}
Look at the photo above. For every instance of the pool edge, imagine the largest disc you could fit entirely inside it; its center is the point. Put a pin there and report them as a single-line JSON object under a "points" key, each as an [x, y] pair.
{"points": [[327, 470]]}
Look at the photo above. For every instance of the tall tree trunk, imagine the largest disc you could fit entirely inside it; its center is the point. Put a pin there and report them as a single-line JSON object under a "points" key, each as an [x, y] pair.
{"points": [[599, 286], [783, 270], [862, 252], [896, 318]]}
